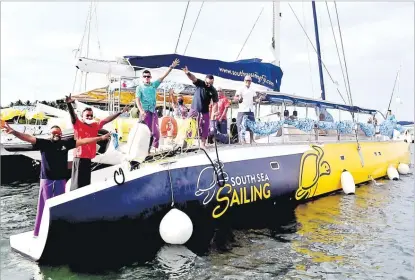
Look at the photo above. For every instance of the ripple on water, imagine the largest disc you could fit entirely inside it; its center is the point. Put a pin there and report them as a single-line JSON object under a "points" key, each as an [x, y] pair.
{"points": [[366, 236]]}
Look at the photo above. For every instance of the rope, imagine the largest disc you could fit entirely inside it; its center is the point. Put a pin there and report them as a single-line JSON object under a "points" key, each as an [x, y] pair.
{"points": [[344, 56], [171, 185], [308, 56], [194, 25], [184, 18], [324, 65], [250, 33], [96, 28], [337, 49]]}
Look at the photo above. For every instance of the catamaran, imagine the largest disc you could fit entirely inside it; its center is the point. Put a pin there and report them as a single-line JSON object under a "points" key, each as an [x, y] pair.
{"points": [[170, 193]]}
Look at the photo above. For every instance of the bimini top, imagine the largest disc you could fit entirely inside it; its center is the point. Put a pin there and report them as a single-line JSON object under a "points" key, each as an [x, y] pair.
{"points": [[299, 101], [265, 74]]}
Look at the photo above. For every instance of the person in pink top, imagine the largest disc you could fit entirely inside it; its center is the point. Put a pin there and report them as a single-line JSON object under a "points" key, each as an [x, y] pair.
{"points": [[85, 128], [220, 120]]}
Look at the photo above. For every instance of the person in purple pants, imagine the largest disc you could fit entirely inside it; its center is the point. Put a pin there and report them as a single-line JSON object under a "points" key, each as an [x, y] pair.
{"points": [[54, 167], [146, 102], [205, 92]]}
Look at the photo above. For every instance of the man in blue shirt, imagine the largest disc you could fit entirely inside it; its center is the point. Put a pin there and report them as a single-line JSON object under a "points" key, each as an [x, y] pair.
{"points": [[54, 166], [146, 101]]}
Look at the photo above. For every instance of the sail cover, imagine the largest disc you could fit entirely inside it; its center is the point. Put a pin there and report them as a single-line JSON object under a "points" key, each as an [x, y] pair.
{"points": [[265, 74]]}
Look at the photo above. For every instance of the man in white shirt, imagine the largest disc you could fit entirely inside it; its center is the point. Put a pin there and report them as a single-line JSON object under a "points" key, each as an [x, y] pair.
{"points": [[245, 96]]}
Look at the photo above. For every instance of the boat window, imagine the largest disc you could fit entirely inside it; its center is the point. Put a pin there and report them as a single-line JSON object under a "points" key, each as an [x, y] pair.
{"points": [[274, 165]]}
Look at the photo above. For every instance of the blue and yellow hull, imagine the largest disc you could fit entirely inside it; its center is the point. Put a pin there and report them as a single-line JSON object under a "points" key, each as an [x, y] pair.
{"points": [[252, 186]]}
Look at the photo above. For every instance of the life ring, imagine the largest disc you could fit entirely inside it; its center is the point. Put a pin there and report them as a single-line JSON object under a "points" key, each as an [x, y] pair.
{"points": [[168, 127]]}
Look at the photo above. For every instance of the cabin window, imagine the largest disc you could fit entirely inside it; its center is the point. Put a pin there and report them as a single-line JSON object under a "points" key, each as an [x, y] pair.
{"points": [[274, 165]]}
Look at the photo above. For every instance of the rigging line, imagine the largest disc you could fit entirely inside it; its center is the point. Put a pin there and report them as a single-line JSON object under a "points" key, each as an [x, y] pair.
{"points": [[194, 25], [324, 65], [184, 18], [308, 55], [96, 29], [250, 33], [344, 56], [87, 46], [81, 43], [337, 49], [393, 89]]}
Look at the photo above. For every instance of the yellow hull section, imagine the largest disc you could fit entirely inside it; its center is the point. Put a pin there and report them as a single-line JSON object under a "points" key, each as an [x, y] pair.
{"points": [[322, 166]]}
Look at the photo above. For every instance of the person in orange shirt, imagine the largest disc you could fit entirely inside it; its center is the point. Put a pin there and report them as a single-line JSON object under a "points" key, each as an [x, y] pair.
{"points": [[219, 122], [85, 128]]}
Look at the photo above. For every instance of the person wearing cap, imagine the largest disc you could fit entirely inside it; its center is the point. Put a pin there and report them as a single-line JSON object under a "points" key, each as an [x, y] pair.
{"points": [[180, 110], [245, 96], [204, 94]]}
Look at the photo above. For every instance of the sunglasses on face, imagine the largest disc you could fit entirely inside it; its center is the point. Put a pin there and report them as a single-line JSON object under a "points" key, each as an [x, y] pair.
{"points": [[89, 116], [146, 77]]}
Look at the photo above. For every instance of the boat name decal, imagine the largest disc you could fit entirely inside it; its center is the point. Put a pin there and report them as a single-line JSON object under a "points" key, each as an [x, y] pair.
{"points": [[231, 191]]}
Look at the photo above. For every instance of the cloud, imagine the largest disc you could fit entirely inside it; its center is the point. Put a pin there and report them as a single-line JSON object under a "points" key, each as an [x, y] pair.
{"points": [[38, 39]]}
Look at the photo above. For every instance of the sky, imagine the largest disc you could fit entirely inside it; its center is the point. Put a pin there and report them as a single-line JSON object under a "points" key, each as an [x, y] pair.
{"points": [[38, 42]]}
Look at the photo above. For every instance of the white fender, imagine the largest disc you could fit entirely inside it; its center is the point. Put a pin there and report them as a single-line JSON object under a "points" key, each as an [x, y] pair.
{"points": [[176, 227], [392, 173], [403, 168], [138, 142], [347, 182]]}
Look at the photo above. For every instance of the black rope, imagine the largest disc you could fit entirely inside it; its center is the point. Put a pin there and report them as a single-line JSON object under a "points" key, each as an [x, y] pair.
{"points": [[184, 18], [213, 165], [324, 65], [194, 25], [337, 49]]}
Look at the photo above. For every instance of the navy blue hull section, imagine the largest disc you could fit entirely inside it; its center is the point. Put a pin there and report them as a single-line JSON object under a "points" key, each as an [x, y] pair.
{"points": [[144, 196], [120, 225]]}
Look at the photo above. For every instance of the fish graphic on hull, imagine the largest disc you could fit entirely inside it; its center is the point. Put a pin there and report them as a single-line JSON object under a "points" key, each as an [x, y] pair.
{"points": [[210, 191]]}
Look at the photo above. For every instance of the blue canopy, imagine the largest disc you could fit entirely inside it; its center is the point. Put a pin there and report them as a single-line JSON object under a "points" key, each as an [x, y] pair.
{"points": [[276, 98], [265, 74], [405, 123]]}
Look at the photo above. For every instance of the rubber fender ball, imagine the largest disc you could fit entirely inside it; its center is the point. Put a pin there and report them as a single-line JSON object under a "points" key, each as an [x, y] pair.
{"points": [[176, 227], [403, 168], [392, 173], [347, 182]]}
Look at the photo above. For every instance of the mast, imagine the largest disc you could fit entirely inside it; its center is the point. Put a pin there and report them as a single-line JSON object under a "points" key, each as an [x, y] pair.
{"points": [[276, 32], [320, 68]]}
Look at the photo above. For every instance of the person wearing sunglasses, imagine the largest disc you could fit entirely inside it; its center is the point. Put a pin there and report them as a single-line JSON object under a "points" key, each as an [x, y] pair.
{"points": [[204, 94], [54, 163], [146, 102], [245, 97], [85, 128]]}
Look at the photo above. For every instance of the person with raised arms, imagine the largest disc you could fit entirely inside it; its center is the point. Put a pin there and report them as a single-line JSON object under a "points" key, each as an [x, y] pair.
{"points": [[54, 163]]}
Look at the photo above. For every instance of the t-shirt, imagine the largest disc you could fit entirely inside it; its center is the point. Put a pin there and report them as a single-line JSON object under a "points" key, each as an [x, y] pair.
{"points": [[247, 104], [181, 111], [147, 95], [202, 97], [54, 157], [223, 103], [83, 130]]}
